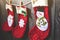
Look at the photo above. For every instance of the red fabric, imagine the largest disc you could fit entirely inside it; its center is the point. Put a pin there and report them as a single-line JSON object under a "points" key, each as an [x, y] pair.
{"points": [[5, 26], [17, 31], [40, 35]]}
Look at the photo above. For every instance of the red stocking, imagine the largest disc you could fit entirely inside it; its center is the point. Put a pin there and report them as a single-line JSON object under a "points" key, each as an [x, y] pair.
{"points": [[8, 25], [19, 30], [41, 30]]}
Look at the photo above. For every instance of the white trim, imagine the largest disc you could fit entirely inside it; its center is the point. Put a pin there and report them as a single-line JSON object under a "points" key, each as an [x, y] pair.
{"points": [[19, 10], [40, 3], [9, 7]]}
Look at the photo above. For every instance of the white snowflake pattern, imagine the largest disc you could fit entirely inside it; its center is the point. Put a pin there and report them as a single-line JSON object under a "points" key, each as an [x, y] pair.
{"points": [[10, 20], [21, 23]]}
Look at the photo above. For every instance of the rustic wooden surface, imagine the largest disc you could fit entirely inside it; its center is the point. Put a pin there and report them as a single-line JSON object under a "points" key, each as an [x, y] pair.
{"points": [[57, 20]]}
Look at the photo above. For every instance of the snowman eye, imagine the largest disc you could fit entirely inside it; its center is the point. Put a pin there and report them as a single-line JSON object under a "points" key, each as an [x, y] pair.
{"points": [[41, 22], [40, 13]]}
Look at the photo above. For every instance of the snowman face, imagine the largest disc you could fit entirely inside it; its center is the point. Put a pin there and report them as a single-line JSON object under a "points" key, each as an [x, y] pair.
{"points": [[42, 24], [39, 14], [10, 20]]}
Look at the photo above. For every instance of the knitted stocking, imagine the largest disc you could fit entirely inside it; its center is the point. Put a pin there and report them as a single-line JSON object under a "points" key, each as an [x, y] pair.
{"points": [[8, 25], [41, 30], [19, 30]]}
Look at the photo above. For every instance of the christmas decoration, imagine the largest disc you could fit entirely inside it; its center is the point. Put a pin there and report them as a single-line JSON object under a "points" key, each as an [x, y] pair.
{"points": [[41, 30], [19, 30], [8, 25]]}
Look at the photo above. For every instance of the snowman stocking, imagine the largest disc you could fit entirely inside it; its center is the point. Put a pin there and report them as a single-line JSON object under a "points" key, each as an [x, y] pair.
{"points": [[8, 25], [41, 30], [19, 30]]}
